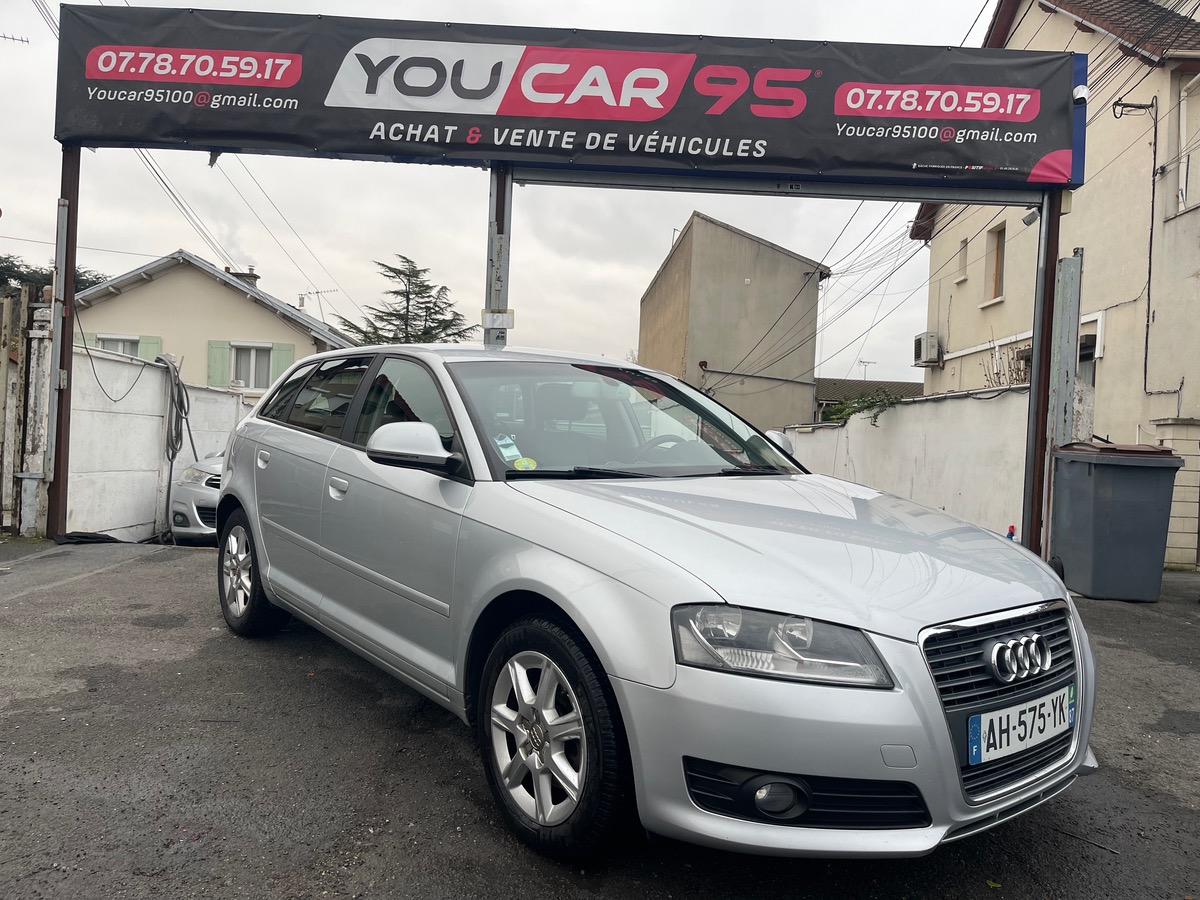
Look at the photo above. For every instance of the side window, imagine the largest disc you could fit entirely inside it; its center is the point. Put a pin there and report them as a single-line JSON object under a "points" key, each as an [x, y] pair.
{"points": [[402, 392], [279, 404], [322, 404]]}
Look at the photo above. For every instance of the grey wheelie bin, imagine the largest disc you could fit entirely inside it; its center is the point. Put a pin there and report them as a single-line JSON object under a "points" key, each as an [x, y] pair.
{"points": [[1109, 518]]}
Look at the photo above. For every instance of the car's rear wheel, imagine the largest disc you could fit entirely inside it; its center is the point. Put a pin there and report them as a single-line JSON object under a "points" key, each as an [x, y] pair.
{"points": [[552, 742], [244, 603]]}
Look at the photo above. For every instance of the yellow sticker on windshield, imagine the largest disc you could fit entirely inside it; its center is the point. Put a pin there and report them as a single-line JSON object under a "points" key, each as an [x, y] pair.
{"points": [[525, 464]]}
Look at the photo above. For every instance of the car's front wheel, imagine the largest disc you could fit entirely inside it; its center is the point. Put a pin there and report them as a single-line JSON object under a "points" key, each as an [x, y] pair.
{"points": [[552, 742], [244, 603]]}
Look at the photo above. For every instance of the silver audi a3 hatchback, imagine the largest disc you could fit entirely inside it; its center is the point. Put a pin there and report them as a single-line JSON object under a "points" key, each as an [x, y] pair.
{"points": [[648, 611]]}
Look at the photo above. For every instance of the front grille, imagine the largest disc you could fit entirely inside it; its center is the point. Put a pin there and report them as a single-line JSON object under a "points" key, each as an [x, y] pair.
{"points": [[986, 778], [841, 803], [207, 515], [956, 656], [213, 481]]}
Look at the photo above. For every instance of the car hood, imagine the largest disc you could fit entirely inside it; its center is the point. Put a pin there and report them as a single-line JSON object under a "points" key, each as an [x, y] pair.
{"points": [[812, 545], [212, 464]]}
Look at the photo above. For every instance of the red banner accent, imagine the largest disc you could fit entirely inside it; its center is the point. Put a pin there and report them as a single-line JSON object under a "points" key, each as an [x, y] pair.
{"points": [[182, 65], [616, 85]]}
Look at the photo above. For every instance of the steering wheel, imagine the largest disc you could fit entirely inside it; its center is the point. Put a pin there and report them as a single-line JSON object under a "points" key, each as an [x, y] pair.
{"points": [[659, 441]]}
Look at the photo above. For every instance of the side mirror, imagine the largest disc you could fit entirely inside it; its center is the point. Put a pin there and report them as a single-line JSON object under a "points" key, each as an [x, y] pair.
{"points": [[782, 441], [411, 445]]}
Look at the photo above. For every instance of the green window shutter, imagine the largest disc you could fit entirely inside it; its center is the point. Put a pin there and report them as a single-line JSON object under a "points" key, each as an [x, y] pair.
{"points": [[218, 364], [282, 356], [89, 338], [149, 346]]}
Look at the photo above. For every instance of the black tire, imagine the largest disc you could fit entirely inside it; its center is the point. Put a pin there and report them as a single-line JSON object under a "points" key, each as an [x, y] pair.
{"points": [[244, 603], [576, 828]]}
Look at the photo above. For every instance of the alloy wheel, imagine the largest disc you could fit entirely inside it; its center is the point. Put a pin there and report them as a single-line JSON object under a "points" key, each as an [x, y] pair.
{"points": [[537, 736], [237, 570]]}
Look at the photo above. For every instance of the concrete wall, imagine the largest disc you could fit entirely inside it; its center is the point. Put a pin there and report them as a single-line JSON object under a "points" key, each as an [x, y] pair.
{"points": [[963, 454], [1110, 219], [743, 288], [714, 297], [118, 465], [663, 320], [186, 309]]}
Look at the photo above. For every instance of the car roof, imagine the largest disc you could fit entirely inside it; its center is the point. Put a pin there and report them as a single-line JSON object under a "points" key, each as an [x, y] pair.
{"points": [[474, 352]]}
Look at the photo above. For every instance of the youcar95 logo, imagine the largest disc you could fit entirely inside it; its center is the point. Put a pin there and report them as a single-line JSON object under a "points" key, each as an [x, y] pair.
{"points": [[548, 82]]}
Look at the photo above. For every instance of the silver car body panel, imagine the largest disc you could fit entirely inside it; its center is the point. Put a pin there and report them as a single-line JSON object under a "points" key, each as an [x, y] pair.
{"points": [[197, 501], [615, 556], [850, 554]]}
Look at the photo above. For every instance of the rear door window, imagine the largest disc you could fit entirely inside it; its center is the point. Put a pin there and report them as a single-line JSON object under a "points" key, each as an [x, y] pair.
{"points": [[322, 404], [280, 403]]}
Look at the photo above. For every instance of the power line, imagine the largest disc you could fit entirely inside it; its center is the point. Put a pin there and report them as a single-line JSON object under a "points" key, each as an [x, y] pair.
{"points": [[9, 237], [978, 16], [265, 226], [807, 279], [181, 204], [310, 250]]}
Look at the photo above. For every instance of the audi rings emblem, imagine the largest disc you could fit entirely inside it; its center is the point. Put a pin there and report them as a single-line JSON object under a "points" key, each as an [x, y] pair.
{"points": [[1018, 657]]}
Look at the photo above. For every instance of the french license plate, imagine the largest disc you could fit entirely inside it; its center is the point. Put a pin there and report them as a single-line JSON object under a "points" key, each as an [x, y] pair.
{"points": [[1001, 733]]}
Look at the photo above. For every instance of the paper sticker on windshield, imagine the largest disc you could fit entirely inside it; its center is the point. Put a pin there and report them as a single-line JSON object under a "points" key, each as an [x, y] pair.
{"points": [[525, 464], [508, 450]]}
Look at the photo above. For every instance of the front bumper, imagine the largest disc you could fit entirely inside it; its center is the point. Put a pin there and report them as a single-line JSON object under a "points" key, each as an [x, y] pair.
{"points": [[194, 510], [894, 736]]}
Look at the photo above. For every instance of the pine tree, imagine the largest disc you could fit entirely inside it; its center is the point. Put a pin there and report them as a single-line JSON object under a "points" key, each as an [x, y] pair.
{"points": [[15, 272], [420, 313]]}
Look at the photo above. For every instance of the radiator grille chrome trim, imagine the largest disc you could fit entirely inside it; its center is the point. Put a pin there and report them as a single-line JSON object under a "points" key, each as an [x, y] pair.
{"points": [[954, 656]]}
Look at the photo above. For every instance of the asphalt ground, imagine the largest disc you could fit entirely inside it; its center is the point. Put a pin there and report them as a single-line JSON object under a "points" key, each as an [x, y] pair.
{"points": [[146, 752]]}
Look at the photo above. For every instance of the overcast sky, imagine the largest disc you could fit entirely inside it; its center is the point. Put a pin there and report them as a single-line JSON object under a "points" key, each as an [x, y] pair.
{"points": [[581, 258]]}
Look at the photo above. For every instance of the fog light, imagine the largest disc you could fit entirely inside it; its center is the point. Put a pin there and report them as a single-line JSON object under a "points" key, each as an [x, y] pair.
{"points": [[776, 799], [180, 519]]}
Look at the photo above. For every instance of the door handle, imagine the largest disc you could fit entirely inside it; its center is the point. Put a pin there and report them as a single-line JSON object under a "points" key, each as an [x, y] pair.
{"points": [[264, 456], [338, 487]]}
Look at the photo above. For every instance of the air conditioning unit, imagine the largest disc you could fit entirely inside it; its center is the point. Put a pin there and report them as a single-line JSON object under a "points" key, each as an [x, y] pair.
{"points": [[925, 349]]}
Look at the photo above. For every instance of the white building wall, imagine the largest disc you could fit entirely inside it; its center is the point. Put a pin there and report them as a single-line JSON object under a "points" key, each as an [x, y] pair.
{"points": [[1110, 220], [118, 462], [961, 454]]}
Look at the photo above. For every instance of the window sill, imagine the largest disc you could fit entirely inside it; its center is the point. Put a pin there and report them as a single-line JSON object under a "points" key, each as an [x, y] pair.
{"points": [[991, 302], [1183, 212], [960, 279]]}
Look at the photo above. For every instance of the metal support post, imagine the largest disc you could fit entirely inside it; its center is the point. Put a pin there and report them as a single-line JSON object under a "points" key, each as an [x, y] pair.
{"points": [[497, 317], [1036, 455], [64, 322], [1065, 349]]}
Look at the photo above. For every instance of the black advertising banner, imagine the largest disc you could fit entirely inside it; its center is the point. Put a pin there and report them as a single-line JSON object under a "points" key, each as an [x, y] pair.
{"points": [[588, 100]]}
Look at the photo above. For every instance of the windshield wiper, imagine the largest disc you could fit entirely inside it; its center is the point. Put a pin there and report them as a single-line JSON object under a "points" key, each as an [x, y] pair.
{"points": [[576, 472], [754, 470]]}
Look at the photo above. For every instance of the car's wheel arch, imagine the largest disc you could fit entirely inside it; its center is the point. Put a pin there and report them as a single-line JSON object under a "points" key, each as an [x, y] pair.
{"points": [[226, 506], [501, 612]]}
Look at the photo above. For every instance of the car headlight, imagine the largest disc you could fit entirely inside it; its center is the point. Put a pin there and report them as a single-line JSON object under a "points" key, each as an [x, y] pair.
{"points": [[192, 475], [753, 642]]}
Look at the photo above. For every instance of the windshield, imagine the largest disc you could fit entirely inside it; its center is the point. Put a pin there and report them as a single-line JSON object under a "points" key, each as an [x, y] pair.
{"points": [[556, 419]]}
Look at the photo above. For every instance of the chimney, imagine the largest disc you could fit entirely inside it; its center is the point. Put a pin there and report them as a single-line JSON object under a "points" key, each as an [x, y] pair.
{"points": [[248, 276]]}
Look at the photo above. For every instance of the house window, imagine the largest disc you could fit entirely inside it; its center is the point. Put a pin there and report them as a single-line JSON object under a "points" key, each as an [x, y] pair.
{"points": [[1086, 371], [252, 365], [118, 343], [1188, 141], [962, 262], [995, 261]]}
